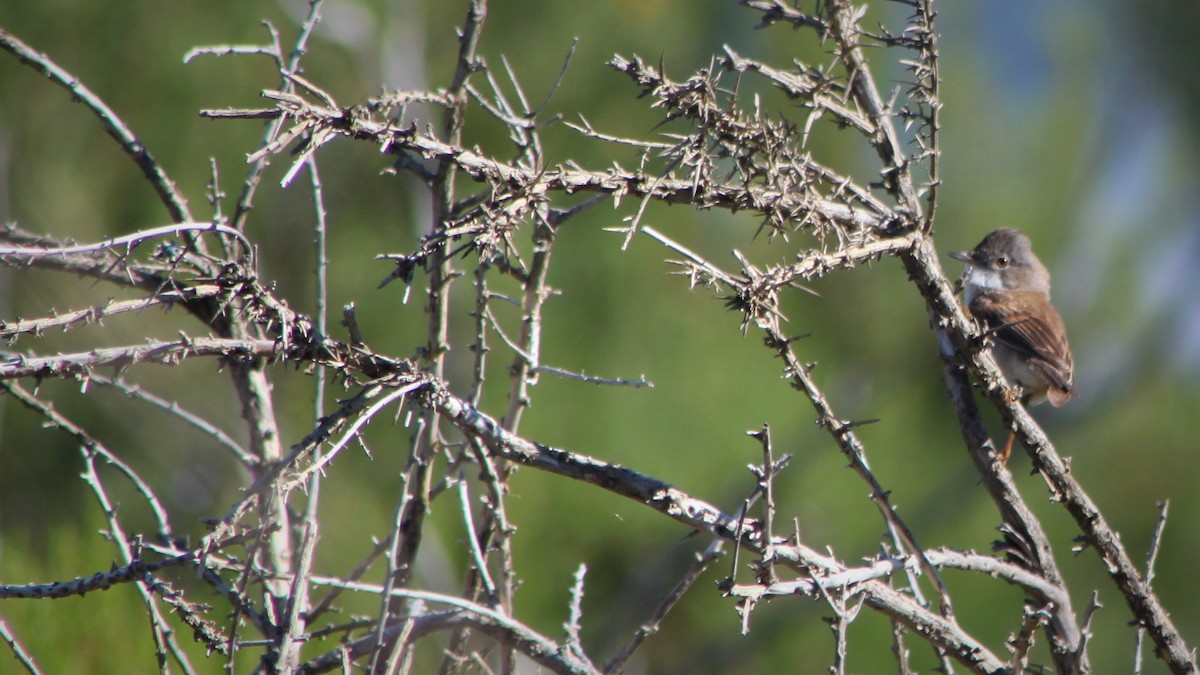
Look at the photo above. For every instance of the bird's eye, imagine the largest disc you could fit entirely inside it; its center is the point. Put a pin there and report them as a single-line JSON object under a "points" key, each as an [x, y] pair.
{"points": [[1002, 262]]}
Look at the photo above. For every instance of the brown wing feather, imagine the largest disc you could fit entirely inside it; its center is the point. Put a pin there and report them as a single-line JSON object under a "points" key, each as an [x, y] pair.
{"points": [[1027, 323]]}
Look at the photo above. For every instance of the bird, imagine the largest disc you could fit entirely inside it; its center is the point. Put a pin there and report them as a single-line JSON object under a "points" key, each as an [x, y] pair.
{"points": [[1007, 289]]}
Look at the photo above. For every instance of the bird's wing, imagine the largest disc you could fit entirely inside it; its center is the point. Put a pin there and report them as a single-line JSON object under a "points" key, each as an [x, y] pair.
{"points": [[1027, 323]]}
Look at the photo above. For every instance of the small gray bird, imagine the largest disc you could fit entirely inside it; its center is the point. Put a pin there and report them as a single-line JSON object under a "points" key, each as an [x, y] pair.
{"points": [[1008, 290]]}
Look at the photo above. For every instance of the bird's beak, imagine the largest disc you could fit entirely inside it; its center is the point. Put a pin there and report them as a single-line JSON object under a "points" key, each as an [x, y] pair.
{"points": [[964, 256]]}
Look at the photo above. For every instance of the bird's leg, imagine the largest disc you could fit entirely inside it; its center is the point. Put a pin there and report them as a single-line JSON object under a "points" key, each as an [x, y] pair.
{"points": [[1004, 453]]}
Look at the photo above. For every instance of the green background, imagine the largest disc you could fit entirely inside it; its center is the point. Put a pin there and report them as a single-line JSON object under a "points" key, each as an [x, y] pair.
{"points": [[1074, 121]]}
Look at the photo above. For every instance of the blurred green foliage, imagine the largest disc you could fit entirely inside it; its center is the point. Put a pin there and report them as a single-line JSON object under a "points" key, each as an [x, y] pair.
{"points": [[1014, 154]]}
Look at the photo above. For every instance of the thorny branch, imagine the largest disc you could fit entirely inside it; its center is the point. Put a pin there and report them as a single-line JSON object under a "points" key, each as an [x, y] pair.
{"points": [[503, 211]]}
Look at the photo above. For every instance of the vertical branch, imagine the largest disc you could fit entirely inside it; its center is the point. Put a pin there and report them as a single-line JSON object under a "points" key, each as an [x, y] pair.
{"points": [[250, 379], [900, 649], [1151, 558], [396, 577], [441, 275], [843, 23], [528, 358], [258, 410], [840, 625], [927, 92], [480, 346], [287, 69], [766, 486], [293, 625], [478, 580], [1023, 641], [321, 275], [574, 624], [294, 619], [493, 534], [495, 529]]}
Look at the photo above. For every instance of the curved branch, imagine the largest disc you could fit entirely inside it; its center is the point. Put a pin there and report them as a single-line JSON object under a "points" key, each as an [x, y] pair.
{"points": [[684, 508], [170, 197], [504, 630], [843, 25]]}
